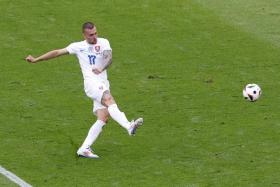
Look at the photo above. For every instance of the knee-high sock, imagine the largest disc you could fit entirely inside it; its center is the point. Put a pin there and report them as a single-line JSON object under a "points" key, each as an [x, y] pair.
{"points": [[118, 116], [93, 133]]}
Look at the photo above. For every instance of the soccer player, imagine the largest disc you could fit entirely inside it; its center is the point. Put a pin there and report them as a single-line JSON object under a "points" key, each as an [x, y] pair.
{"points": [[95, 56]]}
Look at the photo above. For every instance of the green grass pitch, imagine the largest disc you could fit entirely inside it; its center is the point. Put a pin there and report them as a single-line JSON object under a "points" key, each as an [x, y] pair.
{"points": [[180, 64]]}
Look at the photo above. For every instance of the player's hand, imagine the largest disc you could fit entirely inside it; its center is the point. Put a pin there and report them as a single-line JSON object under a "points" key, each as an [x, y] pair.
{"points": [[30, 59], [96, 71]]}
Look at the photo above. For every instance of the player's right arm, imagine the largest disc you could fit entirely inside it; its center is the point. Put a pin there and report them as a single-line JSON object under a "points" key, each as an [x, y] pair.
{"points": [[49, 55]]}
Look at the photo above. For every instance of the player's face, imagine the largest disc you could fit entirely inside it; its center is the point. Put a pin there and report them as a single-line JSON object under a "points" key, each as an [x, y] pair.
{"points": [[90, 35]]}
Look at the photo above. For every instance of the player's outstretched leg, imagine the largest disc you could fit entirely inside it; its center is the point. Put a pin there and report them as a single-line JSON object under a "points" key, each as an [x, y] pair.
{"points": [[120, 117], [134, 125]]}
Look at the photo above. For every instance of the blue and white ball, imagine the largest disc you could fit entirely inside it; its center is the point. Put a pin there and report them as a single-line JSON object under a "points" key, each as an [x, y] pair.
{"points": [[252, 92]]}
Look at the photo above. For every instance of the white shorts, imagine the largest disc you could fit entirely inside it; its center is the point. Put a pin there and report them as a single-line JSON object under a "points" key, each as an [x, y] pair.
{"points": [[94, 90]]}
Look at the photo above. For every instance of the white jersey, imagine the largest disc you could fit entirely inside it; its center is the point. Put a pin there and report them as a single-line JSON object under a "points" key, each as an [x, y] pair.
{"points": [[90, 55]]}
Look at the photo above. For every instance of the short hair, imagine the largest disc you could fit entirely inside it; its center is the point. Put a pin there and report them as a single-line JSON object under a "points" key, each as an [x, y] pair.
{"points": [[88, 25]]}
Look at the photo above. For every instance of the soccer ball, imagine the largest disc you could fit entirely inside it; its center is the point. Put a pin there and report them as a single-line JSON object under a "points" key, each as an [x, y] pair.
{"points": [[252, 92]]}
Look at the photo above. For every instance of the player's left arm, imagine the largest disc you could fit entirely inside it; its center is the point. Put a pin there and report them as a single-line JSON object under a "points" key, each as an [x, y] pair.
{"points": [[107, 56]]}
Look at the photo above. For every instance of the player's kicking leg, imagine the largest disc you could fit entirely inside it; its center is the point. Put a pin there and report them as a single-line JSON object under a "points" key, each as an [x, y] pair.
{"points": [[134, 124], [118, 116]]}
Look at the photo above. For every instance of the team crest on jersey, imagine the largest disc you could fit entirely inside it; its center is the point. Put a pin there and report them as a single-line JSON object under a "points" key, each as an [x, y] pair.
{"points": [[97, 48]]}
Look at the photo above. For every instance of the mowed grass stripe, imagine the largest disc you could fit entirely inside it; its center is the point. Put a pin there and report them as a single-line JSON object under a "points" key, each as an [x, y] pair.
{"points": [[257, 17]]}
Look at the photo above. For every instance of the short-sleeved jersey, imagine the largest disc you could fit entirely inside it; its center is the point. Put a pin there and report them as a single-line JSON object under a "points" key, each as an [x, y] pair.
{"points": [[90, 55]]}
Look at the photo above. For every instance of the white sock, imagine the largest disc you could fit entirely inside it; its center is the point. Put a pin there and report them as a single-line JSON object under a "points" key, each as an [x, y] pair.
{"points": [[93, 133], [118, 116]]}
